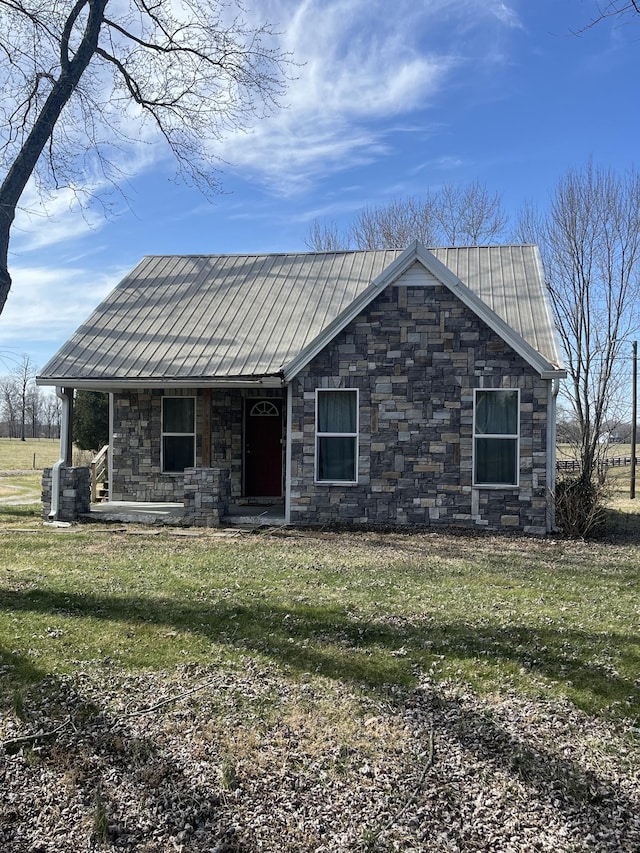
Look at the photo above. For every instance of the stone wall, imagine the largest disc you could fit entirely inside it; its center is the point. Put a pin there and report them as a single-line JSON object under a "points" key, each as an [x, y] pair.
{"points": [[136, 472], [136, 456], [207, 493], [75, 493], [416, 354]]}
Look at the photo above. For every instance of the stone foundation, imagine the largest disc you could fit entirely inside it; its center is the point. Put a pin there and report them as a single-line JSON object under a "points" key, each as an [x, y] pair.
{"points": [[207, 494], [75, 493]]}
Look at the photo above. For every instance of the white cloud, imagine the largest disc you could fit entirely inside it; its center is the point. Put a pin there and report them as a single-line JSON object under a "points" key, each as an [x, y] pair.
{"points": [[46, 305], [362, 67], [40, 223], [507, 15], [353, 76]]}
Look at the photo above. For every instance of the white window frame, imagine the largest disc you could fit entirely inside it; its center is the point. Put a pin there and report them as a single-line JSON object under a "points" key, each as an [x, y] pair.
{"points": [[512, 437], [164, 434], [355, 435]]}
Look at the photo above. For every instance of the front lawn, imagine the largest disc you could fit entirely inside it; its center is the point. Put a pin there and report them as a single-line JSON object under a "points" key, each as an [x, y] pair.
{"points": [[327, 692], [543, 618]]}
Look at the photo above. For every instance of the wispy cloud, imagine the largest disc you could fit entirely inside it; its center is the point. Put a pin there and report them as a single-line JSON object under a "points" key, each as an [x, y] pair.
{"points": [[507, 15], [40, 223], [48, 303], [355, 77]]}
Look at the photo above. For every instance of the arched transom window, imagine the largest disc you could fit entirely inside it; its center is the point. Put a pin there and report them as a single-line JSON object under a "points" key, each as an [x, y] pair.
{"points": [[264, 409]]}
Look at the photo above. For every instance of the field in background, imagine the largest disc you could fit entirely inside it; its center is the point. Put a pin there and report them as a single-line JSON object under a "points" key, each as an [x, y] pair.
{"points": [[26, 459], [29, 455], [22, 463]]}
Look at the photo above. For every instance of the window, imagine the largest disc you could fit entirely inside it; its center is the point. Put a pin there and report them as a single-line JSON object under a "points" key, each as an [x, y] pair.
{"points": [[264, 409], [336, 436], [178, 433], [495, 437]]}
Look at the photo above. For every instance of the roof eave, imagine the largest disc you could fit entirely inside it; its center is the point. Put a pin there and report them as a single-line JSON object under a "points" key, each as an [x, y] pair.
{"points": [[118, 384]]}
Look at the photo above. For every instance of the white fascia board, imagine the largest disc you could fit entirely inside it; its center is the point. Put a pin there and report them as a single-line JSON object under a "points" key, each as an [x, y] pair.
{"points": [[417, 252], [196, 382]]}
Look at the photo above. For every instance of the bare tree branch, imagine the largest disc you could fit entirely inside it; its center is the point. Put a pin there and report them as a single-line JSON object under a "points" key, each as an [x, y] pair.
{"points": [[456, 215], [611, 9], [77, 81]]}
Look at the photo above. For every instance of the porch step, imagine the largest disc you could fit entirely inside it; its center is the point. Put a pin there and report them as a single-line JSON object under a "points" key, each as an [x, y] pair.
{"points": [[103, 493]]}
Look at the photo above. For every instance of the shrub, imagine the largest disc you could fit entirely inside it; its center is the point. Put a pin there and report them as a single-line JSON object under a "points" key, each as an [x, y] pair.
{"points": [[580, 506]]}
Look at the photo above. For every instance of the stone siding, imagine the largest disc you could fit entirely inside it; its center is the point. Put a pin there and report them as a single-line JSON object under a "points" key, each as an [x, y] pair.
{"points": [[206, 496], [136, 472], [75, 493], [416, 354]]}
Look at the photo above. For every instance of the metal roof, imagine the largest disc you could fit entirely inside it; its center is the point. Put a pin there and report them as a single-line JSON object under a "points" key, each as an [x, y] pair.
{"points": [[233, 317]]}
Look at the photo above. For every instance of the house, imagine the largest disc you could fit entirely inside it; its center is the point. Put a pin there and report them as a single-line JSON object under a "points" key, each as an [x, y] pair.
{"points": [[405, 387]]}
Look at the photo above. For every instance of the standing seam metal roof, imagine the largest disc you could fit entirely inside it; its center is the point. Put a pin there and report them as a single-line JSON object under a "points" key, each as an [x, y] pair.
{"points": [[226, 316]]}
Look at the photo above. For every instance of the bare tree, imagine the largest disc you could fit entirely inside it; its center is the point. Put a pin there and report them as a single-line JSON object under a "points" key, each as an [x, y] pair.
{"points": [[395, 225], [590, 241], [34, 410], [325, 237], [456, 215], [613, 9], [469, 215], [23, 375], [51, 411], [80, 77], [9, 404]]}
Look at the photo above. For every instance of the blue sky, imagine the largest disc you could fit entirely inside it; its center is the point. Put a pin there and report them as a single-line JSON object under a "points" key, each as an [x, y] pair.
{"points": [[389, 100]]}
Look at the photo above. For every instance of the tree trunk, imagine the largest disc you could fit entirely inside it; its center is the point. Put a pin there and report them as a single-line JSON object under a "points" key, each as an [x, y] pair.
{"points": [[5, 285], [72, 69]]}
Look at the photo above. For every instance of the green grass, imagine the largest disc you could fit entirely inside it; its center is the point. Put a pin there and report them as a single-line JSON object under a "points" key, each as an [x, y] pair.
{"points": [[28, 455], [22, 486], [541, 618], [21, 465]]}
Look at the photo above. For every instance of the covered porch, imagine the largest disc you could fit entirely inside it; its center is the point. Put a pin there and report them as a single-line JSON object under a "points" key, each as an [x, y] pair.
{"points": [[222, 464]]}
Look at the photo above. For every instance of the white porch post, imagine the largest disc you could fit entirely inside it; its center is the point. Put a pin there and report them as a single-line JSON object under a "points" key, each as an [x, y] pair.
{"points": [[554, 387], [66, 447], [287, 457]]}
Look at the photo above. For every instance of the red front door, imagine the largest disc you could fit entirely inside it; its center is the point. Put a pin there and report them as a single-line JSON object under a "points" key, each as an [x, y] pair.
{"points": [[263, 448]]}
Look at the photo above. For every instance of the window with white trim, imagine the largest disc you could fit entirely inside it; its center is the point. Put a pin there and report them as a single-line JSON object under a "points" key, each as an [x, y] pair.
{"points": [[496, 437], [337, 435], [178, 433]]}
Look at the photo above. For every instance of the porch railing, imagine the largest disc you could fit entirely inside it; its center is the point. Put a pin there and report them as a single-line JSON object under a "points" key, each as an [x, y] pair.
{"points": [[99, 473]]}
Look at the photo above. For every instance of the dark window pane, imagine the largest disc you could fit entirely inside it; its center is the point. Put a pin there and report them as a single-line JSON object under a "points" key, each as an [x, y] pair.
{"points": [[337, 411], [178, 452], [497, 412], [496, 461], [178, 414], [337, 459]]}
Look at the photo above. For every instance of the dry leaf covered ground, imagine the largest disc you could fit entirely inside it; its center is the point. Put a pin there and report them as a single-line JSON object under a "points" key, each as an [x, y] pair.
{"points": [[251, 761]]}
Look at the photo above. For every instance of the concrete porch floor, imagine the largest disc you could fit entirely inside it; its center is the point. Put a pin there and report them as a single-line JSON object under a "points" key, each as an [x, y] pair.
{"points": [[243, 513]]}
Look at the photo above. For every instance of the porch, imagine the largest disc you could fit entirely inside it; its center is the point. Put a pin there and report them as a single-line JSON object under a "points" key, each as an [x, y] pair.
{"points": [[244, 513]]}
